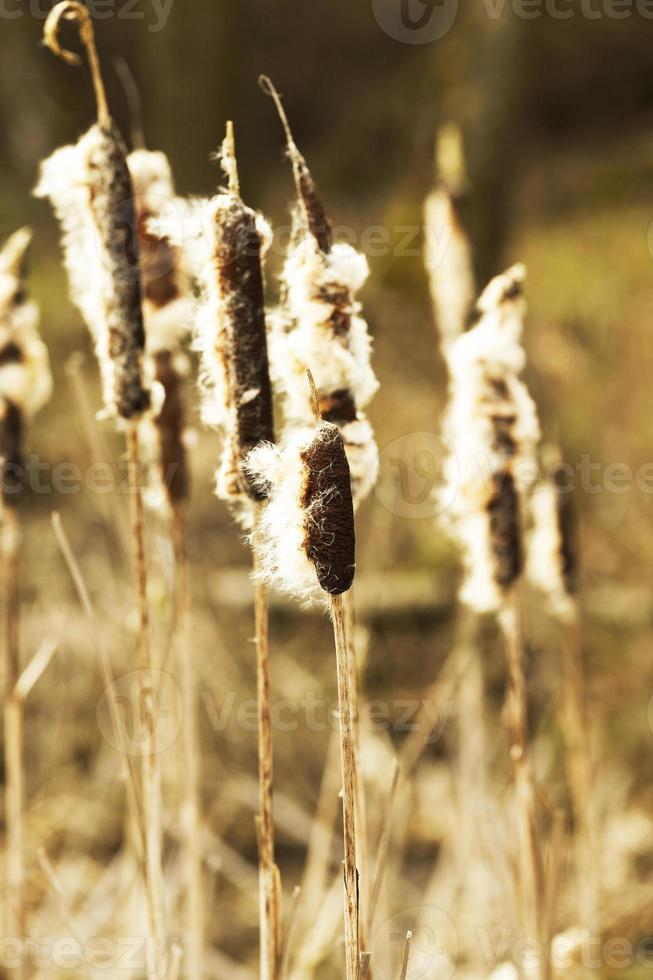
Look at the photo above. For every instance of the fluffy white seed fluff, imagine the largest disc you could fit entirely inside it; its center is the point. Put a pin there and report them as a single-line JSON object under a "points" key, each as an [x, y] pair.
{"points": [[544, 550], [486, 391], [168, 326], [26, 380], [65, 179], [302, 336], [279, 537]]}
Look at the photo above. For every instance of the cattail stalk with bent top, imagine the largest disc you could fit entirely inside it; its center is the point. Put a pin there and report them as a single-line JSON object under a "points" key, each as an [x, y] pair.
{"points": [[319, 326], [91, 190], [493, 430], [306, 543], [25, 386]]}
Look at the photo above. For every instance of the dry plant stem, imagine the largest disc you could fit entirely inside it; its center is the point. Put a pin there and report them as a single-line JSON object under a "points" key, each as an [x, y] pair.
{"points": [[579, 770], [406, 956], [193, 892], [13, 735], [347, 763], [530, 872], [150, 772], [269, 897], [359, 788]]}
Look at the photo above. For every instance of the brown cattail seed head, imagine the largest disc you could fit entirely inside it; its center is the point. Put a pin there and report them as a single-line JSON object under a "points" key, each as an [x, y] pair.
{"points": [[238, 265], [112, 202], [330, 541]]}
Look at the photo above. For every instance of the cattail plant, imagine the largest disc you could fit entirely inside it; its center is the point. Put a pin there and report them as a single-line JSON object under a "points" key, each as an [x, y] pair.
{"points": [[306, 544], [492, 427], [25, 386], [168, 313], [552, 566], [226, 242], [90, 187], [448, 252], [319, 326]]}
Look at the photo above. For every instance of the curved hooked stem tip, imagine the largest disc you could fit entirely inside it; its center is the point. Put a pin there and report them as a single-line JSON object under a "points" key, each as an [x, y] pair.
{"points": [[314, 396], [266, 85], [229, 162], [73, 10]]}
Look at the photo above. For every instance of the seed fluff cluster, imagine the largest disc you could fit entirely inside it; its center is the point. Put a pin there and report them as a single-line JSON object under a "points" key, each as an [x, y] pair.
{"points": [[168, 315], [305, 538], [319, 327], [552, 563], [25, 379], [492, 428]]}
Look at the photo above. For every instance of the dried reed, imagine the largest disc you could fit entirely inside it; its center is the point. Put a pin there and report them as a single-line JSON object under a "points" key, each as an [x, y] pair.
{"points": [[25, 385], [306, 545], [102, 258], [167, 311], [493, 428]]}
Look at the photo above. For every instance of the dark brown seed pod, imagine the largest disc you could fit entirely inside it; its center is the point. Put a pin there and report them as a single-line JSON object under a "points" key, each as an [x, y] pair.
{"points": [[568, 531], [170, 425], [112, 203], [11, 451], [239, 270], [330, 541], [338, 407], [307, 192], [505, 531]]}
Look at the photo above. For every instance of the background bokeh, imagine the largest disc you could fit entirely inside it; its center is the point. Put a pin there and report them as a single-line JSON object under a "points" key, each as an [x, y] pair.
{"points": [[556, 113]]}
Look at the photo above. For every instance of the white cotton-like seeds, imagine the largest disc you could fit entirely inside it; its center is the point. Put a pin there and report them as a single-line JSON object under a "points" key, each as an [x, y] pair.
{"points": [[279, 536], [544, 566], [91, 190], [25, 378], [492, 428], [362, 455], [321, 328], [167, 304], [64, 179]]}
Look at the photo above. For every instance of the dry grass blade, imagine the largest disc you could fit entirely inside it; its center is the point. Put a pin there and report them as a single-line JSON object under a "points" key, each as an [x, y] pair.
{"points": [[290, 933], [194, 896], [127, 769], [382, 847]]}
